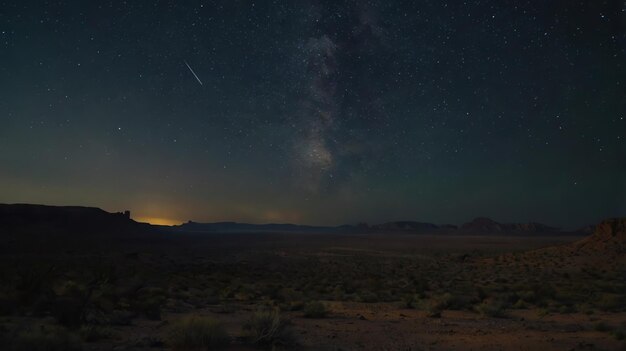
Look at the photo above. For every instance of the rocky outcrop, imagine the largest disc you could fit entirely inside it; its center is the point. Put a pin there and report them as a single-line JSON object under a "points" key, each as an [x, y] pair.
{"points": [[65, 219], [609, 237]]}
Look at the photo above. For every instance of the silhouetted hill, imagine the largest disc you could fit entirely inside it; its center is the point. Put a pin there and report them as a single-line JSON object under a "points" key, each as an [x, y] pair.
{"points": [[41, 220], [483, 225]]}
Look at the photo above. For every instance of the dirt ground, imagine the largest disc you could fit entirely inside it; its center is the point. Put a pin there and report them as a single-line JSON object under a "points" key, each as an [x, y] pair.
{"points": [[358, 326]]}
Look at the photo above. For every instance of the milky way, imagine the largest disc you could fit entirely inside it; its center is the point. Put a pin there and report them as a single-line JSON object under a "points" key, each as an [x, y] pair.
{"points": [[340, 100]]}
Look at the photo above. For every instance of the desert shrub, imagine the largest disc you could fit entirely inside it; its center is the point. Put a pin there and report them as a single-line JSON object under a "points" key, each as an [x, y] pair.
{"points": [[289, 294], [148, 302], [564, 309], [211, 297], [568, 296], [457, 302], [292, 306], [42, 338], [520, 304], [449, 301], [104, 298], [601, 327], [266, 328], [386, 295], [433, 309], [411, 301], [195, 332], [419, 285], [120, 317], [619, 334], [527, 295], [8, 304], [491, 308], [338, 293], [91, 333], [226, 308], [33, 283], [542, 293], [611, 302], [69, 306], [315, 309], [481, 294], [367, 297], [149, 308]]}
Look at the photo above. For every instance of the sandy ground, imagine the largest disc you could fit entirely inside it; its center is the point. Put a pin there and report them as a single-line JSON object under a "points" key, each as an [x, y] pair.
{"points": [[357, 325]]}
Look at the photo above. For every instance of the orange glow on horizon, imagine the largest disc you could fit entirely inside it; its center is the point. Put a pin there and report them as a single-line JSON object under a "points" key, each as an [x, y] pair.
{"points": [[158, 221]]}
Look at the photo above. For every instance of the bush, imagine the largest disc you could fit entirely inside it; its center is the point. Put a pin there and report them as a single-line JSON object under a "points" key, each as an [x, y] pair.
{"points": [[148, 302], [601, 327], [48, 338], [411, 301], [491, 309], [266, 329], [433, 309], [149, 308], [448, 301], [92, 333], [34, 283], [611, 302], [520, 304], [367, 297], [8, 304], [68, 311], [292, 306], [315, 309], [69, 306], [194, 332], [438, 304]]}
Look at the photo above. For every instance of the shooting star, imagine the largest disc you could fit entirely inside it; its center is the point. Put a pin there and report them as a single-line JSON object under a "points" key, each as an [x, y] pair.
{"points": [[192, 72]]}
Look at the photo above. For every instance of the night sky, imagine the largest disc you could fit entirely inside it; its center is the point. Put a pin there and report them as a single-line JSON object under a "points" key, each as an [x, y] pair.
{"points": [[317, 112]]}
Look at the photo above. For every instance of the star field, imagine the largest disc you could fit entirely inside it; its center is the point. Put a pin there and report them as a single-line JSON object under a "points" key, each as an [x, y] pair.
{"points": [[322, 112]]}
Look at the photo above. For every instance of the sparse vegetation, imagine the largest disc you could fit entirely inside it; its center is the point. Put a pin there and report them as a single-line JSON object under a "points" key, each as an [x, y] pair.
{"points": [[45, 338], [266, 328], [196, 332], [491, 308], [91, 333], [315, 309], [101, 300], [601, 327]]}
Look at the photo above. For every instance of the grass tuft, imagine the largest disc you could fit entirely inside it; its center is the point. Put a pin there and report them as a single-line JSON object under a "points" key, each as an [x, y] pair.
{"points": [[195, 332]]}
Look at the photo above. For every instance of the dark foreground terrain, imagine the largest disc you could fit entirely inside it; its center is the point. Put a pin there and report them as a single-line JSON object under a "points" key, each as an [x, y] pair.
{"points": [[141, 289]]}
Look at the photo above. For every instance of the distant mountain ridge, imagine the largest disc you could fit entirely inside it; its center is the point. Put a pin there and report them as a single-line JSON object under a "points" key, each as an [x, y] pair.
{"points": [[481, 226], [77, 218], [405, 226], [229, 227], [489, 226]]}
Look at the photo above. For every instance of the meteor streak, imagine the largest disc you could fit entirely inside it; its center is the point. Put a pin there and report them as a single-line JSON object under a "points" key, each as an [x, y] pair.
{"points": [[192, 72]]}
